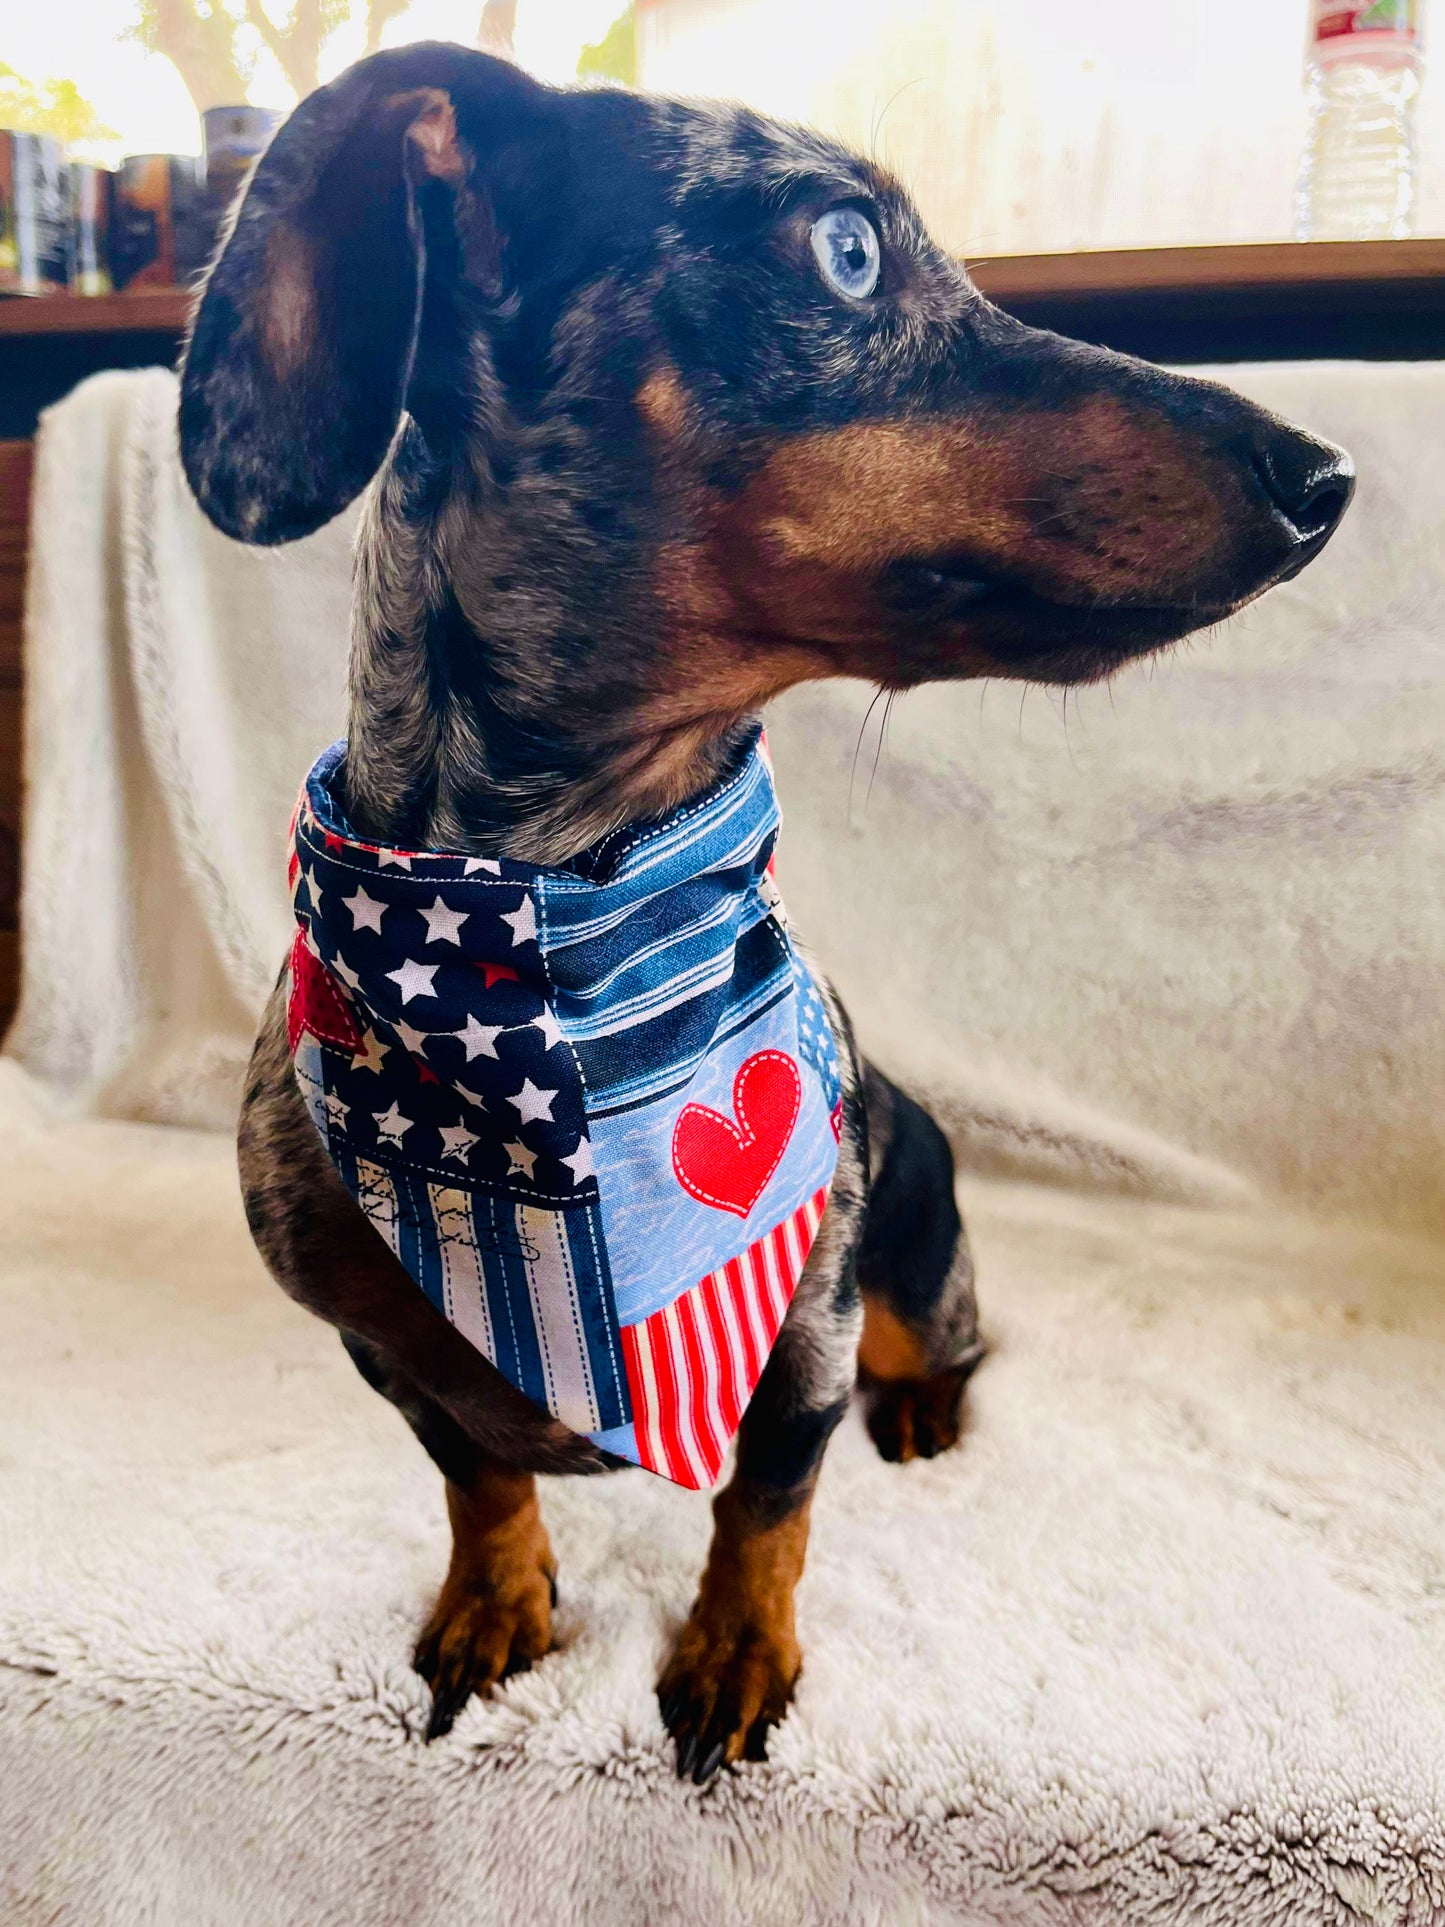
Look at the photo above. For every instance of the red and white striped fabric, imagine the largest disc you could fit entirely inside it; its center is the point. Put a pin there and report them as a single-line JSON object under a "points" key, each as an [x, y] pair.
{"points": [[691, 1367]]}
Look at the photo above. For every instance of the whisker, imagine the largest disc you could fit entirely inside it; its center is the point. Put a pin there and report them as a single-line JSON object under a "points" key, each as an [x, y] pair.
{"points": [[1068, 745], [878, 695], [887, 108], [878, 752]]}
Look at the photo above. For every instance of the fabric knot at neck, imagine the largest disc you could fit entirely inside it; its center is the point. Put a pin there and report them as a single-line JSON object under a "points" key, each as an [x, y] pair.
{"points": [[594, 1110]]}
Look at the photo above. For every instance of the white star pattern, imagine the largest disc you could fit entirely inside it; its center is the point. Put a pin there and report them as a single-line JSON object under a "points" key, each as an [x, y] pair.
{"points": [[336, 1110], [475, 863], [523, 921], [470, 1096], [342, 969], [522, 1158], [369, 1057], [579, 1162], [551, 1030], [530, 1103], [412, 1040], [479, 1040], [313, 890], [391, 1124], [366, 912], [414, 979], [442, 924], [457, 1140], [397, 859]]}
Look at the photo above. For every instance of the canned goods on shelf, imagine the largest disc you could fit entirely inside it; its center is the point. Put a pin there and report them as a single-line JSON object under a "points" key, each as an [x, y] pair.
{"points": [[34, 215]]}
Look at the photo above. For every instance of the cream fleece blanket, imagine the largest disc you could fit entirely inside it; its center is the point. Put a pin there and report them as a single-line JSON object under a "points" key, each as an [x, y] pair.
{"points": [[1162, 1642]]}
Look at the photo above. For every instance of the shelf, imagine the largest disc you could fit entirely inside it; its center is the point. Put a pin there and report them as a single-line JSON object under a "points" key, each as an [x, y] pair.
{"points": [[1261, 267], [148, 311], [1266, 268]]}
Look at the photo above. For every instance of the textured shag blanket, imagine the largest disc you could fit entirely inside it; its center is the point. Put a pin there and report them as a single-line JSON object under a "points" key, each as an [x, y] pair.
{"points": [[1163, 1641]]}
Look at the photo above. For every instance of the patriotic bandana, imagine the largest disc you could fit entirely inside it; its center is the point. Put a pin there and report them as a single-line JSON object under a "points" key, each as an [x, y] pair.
{"points": [[593, 1110]]}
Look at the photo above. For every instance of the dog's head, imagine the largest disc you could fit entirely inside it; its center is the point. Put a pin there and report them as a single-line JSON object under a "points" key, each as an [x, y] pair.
{"points": [[675, 406]]}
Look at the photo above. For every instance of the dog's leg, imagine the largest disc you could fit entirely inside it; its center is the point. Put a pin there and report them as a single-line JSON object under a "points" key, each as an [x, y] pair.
{"points": [[920, 1326], [731, 1674], [493, 1616]]}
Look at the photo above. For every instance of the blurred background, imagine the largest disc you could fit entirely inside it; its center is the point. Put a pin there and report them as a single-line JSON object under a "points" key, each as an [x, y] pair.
{"points": [[1020, 128]]}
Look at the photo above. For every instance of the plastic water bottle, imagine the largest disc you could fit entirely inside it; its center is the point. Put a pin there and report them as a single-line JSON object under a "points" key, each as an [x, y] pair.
{"points": [[1363, 74]]}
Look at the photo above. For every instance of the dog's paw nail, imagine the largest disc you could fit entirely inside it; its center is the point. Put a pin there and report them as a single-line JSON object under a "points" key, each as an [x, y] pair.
{"points": [[709, 1763], [755, 1747], [445, 1706]]}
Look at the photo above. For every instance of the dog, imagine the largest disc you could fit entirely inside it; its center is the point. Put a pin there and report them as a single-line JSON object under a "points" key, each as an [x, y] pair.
{"points": [[661, 409]]}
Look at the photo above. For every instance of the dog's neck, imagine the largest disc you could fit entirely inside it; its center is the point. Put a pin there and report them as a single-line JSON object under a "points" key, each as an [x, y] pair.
{"points": [[482, 722]]}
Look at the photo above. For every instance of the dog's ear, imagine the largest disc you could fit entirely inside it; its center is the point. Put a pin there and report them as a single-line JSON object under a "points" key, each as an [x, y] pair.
{"points": [[299, 361]]}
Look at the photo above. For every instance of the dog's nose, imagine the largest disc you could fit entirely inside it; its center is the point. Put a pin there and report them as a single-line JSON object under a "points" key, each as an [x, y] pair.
{"points": [[1310, 482]]}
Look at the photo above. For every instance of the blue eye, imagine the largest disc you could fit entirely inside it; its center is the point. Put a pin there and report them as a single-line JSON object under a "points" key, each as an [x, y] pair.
{"points": [[845, 242]]}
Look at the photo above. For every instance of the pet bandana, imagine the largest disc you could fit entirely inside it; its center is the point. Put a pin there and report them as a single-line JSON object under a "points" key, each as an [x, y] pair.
{"points": [[594, 1110]]}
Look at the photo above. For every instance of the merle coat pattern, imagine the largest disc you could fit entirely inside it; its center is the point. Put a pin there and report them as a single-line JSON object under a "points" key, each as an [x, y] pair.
{"points": [[635, 467]]}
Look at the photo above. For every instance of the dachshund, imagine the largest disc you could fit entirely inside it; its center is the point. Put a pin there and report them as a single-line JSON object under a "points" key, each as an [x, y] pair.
{"points": [[659, 409]]}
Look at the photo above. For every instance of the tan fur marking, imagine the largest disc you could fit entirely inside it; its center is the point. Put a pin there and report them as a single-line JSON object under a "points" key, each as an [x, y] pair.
{"points": [[287, 317], [739, 1649], [1100, 503], [494, 1612], [888, 1348], [434, 132], [913, 1418], [1096, 499], [662, 402]]}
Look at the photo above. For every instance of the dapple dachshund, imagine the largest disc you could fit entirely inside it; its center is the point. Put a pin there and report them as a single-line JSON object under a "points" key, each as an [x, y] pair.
{"points": [[660, 409]]}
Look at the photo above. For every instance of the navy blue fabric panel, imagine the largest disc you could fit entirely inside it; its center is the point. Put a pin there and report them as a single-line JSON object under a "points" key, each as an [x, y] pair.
{"points": [[509, 1297], [599, 1316]]}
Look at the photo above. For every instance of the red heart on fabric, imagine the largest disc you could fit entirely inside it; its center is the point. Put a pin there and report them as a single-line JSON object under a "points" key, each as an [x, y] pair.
{"points": [[727, 1164]]}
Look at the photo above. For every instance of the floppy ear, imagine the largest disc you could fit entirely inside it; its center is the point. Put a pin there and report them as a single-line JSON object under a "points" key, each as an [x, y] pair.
{"points": [[297, 368]]}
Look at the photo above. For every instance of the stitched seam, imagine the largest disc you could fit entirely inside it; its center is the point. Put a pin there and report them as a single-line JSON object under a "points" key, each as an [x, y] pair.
{"points": [[544, 1349], [620, 1384], [575, 885], [490, 1188], [408, 876], [680, 816], [574, 1299], [543, 941]]}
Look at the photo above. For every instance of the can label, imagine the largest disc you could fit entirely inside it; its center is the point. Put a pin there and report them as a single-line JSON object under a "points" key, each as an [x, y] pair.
{"points": [[233, 139], [1367, 29], [34, 215], [152, 218], [90, 189]]}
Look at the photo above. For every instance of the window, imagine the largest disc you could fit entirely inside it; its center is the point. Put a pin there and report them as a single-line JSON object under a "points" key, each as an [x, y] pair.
{"points": [[1021, 125]]}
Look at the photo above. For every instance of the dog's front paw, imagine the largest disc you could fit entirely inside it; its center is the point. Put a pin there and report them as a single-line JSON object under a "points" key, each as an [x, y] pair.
{"points": [[485, 1626], [916, 1418], [723, 1689]]}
